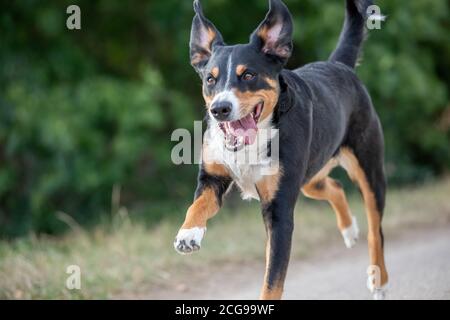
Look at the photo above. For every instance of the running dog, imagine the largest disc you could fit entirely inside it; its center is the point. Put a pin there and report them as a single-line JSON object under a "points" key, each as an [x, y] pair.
{"points": [[323, 116]]}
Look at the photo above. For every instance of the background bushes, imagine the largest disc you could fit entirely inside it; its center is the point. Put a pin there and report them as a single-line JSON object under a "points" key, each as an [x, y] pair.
{"points": [[83, 113]]}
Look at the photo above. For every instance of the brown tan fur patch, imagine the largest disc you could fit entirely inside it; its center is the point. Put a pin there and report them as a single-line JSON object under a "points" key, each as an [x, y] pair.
{"points": [[325, 171], [267, 189], [208, 99], [216, 169], [199, 57], [215, 72], [328, 189], [351, 165], [271, 293], [249, 99], [268, 186], [272, 98], [203, 208], [262, 33], [276, 291], [240, 69]]}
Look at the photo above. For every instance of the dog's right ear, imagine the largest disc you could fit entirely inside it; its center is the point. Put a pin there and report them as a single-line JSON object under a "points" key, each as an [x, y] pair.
{"points": [[204, 37], [274, 35]]}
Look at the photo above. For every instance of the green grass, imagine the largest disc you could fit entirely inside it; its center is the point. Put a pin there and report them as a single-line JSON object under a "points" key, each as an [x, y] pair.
{"points": [[130, 260]]}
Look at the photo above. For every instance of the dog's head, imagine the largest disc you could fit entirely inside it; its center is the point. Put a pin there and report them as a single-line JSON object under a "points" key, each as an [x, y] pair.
{"points": [[240, 82]]}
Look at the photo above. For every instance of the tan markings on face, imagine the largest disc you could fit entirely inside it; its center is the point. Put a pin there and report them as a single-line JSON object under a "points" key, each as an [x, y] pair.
{"points": [[240, 69], [249, 99], [203, 208], [215, 72], [208, 99]]}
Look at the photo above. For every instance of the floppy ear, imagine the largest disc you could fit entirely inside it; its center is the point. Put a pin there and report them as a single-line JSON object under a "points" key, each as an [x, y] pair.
{"points": [[204, 37], [274, 35]]}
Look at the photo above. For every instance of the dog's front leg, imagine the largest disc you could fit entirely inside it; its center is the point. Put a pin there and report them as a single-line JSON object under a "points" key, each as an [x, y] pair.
{"points": [[213, 182], [278, 199]]}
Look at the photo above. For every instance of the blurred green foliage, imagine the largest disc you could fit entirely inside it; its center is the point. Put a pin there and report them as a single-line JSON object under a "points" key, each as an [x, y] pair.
{"points": [[84, 112]]}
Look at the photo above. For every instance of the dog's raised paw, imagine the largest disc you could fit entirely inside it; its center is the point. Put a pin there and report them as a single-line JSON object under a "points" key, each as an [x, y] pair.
{"points": [[189, 240], [351, 234]]}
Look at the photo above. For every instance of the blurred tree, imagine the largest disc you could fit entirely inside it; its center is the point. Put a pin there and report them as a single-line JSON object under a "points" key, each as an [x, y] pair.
{"points": [[84, 110]]}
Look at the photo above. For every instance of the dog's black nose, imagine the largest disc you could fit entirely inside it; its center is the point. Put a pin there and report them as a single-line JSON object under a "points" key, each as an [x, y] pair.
{"points": [[221, 110]]}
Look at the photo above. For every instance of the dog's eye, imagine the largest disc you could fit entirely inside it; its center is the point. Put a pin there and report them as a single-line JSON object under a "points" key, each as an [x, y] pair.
{"points": [[247, 76], [210, 80]]}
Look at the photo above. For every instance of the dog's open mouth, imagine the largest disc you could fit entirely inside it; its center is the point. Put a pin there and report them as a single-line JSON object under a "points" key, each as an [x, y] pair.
{"points": [[243, 131]]}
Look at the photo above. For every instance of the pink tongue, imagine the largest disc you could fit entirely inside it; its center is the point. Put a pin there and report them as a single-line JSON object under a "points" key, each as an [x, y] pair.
{"points": [[242, 126], [245, 127]]}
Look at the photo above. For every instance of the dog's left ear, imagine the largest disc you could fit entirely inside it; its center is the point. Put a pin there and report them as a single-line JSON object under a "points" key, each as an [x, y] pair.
{"points": [[274, 35], [204, 37]]}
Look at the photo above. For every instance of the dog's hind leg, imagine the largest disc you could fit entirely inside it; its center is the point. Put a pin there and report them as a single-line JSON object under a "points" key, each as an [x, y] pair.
{"points": [[332, 191], [363, 160]]}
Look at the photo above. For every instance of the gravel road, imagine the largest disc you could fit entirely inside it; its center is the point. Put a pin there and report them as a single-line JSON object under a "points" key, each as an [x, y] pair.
{"points": [[418, 263]]}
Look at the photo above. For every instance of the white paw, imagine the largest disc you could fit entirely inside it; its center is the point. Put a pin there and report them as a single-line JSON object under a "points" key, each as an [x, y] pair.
{"points": [[189, 240], [379, 294], [351, 233], [378, 291]]}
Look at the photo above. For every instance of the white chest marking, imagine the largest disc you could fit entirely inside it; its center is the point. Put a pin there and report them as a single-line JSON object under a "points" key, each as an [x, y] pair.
{"points": [[248, 165]]}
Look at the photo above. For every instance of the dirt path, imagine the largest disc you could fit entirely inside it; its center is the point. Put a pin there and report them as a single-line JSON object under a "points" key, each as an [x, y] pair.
{"points": [[418, 263]]}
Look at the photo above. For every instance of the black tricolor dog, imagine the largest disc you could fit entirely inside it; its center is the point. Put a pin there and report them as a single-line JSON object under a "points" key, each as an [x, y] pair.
{"points": [[324, 117]]}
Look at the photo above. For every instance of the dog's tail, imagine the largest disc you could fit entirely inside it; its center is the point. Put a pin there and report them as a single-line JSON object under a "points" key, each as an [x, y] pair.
{"points": [[353, 32]]}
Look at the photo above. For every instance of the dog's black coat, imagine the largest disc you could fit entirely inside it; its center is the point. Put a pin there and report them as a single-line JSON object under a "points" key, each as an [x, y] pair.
{"points": [[322, 107], [328, 105]]}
